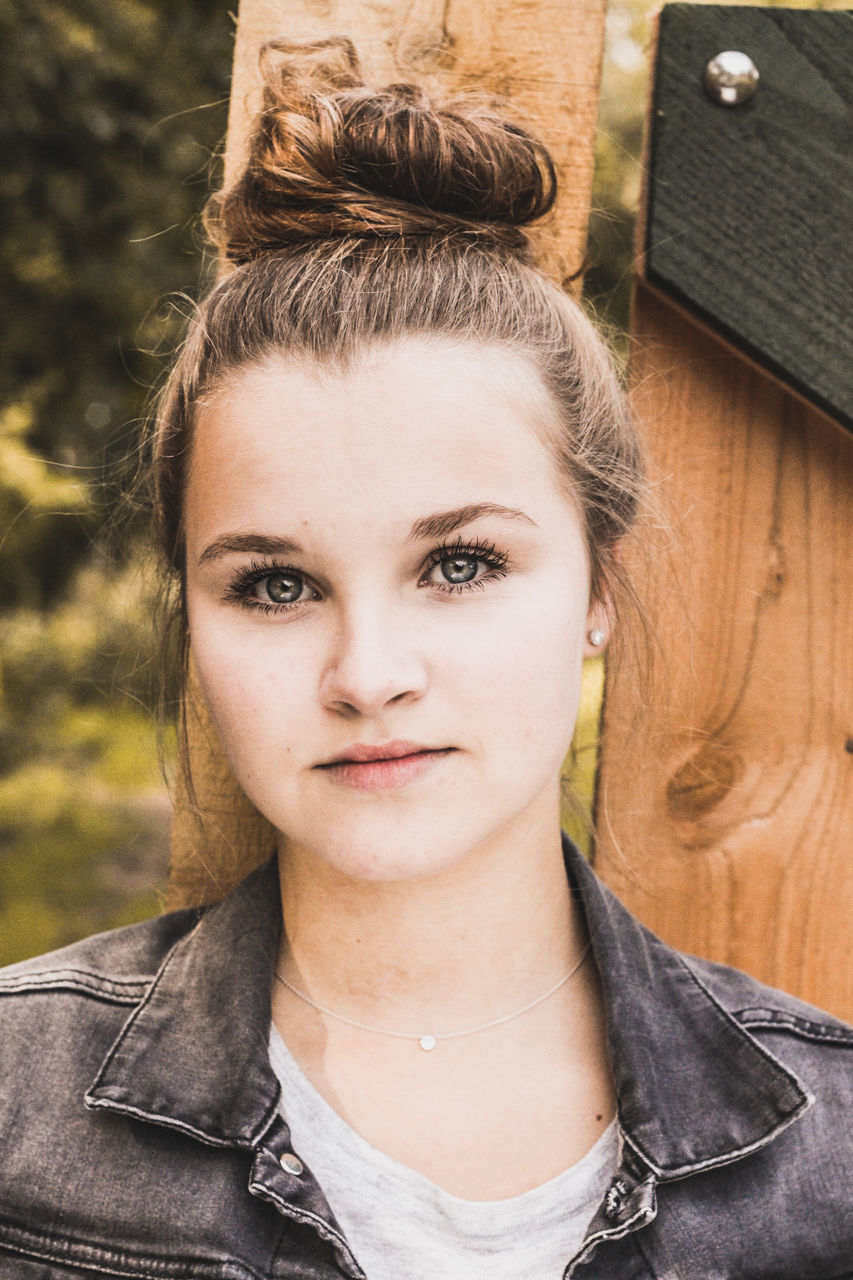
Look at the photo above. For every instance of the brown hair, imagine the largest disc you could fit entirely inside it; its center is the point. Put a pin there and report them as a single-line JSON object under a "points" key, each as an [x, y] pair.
{"points": [[365, 216]]}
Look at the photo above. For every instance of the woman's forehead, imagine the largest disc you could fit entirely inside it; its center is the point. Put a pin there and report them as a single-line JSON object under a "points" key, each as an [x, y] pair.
{"points": [[467, 404], [440, 364], [410, 430]]}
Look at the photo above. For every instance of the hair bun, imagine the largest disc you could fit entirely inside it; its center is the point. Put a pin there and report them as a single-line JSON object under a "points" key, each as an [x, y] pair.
{"points": [[330, 157]]}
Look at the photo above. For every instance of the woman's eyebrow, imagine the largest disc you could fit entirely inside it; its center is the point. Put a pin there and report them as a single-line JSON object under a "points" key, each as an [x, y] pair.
{"points": [[258, 543], [438, 525], [441, 523]]}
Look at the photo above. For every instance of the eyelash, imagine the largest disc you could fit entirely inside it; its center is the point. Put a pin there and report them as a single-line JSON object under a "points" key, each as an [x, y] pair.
{"points": [[486, 553], [244, 579]]}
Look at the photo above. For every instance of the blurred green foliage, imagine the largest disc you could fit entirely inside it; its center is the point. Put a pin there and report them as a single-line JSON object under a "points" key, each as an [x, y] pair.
{"points": [[111, 116], [112, 113]]}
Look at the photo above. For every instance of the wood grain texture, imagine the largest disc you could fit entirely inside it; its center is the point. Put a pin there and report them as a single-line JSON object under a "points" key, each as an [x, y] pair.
{"points": [[750, 207], [544, 57], [725, 813]]}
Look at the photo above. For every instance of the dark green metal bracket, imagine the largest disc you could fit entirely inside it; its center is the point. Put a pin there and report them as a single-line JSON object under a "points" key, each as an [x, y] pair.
{"points": [[750, 202]]}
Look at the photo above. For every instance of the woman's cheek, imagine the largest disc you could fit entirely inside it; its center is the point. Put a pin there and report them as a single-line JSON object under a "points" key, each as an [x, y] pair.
{"points": [[553, 681], [252, 682], [541, 640]]}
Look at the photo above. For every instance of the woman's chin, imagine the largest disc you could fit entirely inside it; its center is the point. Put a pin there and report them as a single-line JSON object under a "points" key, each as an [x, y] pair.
{"points": [[379, 853]]}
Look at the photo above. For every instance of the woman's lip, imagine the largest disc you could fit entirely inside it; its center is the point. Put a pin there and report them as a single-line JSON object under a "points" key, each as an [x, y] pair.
{"points": [[360, 752], [385, 774]]}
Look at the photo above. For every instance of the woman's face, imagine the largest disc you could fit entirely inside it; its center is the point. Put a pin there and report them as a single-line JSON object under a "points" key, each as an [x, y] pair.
{"points": [[382, 560]]}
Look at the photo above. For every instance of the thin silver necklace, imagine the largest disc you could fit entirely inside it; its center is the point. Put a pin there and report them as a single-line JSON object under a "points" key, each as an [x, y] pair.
{"points": [[428, 1042]]}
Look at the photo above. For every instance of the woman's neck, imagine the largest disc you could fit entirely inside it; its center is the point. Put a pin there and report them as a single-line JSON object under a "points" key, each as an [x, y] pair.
{"points": [[448, 950]]}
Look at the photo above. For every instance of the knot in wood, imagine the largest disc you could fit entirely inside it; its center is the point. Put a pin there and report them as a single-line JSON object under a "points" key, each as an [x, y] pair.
{"points": [[703, 781]]}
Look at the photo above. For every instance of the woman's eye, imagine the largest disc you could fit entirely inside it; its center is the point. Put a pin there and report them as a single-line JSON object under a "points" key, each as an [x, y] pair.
{"points": [[458, 569], [265, 589], [279, 588]]}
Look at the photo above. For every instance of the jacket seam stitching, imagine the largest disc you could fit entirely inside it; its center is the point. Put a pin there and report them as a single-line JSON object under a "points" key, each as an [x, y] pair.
{"points": [[305, 1216], [806, 1099], [779, 1020], [167, 1122], [48, 1248], [47, 979], [644, 1255], [106, 1103], [728, 1157], [124, 1000], [639, 1219]]}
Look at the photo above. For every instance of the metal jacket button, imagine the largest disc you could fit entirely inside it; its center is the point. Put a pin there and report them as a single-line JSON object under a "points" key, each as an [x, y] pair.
{"points": [[614, 1200], [292, 1164]]}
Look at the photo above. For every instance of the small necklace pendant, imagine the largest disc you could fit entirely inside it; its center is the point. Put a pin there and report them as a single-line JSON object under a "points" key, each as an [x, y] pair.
{"points": [[427, 1043]]}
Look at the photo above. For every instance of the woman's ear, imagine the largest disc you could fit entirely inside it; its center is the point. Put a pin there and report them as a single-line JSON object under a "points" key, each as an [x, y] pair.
{"points": [[599, 624], [601, 617]]}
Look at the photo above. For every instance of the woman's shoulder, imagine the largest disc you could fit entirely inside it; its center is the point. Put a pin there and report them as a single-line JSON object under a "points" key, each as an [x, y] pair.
{"points": [[60, 1015], [762, 1008], [65, 1003], [105, 965], [119, 1124], [813, 1046], [715, 1069], [707, 1008], [52, 1003]]}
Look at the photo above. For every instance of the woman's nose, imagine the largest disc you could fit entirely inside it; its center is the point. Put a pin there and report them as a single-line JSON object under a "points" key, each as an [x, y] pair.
{"points": [[373, 661]]}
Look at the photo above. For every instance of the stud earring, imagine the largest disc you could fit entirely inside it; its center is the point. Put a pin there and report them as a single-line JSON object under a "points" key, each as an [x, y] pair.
{"points": [[596, 637]]}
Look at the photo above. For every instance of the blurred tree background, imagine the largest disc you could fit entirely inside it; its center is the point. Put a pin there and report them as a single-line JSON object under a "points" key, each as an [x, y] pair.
{"points": [[112, 113]]}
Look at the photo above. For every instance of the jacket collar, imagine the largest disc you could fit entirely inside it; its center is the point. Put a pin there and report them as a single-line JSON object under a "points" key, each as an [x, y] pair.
{"points": [[193, 1055], [695, 1089]]}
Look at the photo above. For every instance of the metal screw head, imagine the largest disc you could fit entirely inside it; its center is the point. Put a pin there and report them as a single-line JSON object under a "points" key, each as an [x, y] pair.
{"points": [[731, 78]]}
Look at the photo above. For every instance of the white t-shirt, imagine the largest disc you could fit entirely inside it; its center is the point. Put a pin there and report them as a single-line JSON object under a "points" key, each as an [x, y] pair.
{"points": [[401, 1226]]}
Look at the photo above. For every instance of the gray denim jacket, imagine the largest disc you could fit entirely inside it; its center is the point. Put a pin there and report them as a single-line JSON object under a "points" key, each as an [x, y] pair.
{"points": [[141, 1134]]}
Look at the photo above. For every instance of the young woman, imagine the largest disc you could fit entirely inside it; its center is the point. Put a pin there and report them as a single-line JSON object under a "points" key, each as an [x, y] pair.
{"points": [[393, 466]]}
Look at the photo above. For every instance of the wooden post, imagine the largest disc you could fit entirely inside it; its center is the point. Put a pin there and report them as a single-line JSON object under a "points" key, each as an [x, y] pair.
{"points": [[544, 57], [725, 810]]}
